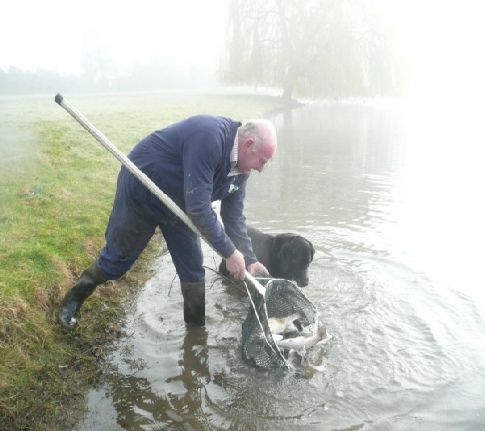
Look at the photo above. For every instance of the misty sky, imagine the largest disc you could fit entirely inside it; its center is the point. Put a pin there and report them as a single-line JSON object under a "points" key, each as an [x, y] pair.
{"points": [[445, 37], [51, 33]]}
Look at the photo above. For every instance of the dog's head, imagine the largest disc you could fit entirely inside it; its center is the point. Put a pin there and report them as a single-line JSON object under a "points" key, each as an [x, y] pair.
{"points": [[294, 257]]}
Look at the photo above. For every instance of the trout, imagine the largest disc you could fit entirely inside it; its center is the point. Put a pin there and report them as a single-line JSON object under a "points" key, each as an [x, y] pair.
{"points": [[302, 342]]}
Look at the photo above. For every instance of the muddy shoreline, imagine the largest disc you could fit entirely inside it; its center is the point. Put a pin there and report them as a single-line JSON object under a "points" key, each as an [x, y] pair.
{"points": [[100, 325]]}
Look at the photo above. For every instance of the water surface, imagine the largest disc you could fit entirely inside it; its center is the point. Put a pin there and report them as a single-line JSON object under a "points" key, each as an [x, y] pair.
{"points": [[391, 198]]}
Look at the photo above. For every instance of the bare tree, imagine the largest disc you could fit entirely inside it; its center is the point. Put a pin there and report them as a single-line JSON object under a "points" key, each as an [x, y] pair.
{"points": [[311, 48]]}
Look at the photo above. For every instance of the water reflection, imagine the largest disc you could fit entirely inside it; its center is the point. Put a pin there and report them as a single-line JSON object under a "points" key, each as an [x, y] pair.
{"points": [[143, 403], [326, 174], [140, 407]]}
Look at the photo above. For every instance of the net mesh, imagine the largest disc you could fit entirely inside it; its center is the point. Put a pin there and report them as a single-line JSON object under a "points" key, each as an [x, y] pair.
{"points": [[282, 298]]}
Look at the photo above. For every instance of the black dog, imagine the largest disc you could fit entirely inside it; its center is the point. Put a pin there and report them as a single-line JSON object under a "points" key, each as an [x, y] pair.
{"points": [[285, 255]]}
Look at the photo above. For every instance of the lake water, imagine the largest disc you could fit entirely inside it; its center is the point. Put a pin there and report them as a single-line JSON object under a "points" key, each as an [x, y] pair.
{"points": [[391, 197]]}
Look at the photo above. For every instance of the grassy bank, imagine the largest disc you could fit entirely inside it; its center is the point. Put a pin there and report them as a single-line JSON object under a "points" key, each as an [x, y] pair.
{"points": [[57, 185]]}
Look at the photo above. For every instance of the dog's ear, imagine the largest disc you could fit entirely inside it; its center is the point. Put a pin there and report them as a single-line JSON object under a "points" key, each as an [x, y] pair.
{"points": [[285, 252], [311, 248], [280, 241]]}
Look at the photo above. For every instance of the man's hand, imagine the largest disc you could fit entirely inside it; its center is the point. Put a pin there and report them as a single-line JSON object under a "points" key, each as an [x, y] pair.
{"points": [[236, 266], [257, 268]]}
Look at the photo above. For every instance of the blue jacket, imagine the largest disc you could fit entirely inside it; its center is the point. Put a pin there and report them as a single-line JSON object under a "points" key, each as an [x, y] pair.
{"points": [[190, 162]]}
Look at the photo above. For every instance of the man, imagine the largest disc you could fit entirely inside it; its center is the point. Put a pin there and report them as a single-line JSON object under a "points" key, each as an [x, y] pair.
{"points": [[195, 162]]}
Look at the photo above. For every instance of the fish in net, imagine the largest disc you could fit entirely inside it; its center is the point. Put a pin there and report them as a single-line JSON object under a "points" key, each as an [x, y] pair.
{"points": [[282, 298]]}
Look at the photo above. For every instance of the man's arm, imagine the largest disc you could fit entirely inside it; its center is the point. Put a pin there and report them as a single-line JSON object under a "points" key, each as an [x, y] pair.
{"points": [[232, 215], [200, 159]]}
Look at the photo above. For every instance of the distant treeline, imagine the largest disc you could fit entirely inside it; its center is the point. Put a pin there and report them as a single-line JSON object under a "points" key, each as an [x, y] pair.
{"points": [[17, 81]]}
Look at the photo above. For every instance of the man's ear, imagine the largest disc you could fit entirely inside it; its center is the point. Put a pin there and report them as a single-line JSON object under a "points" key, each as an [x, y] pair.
{"points": [[249, 143]]}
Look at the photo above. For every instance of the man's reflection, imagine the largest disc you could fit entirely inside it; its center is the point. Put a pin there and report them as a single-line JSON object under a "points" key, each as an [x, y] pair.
{"points": [[140, 408]]}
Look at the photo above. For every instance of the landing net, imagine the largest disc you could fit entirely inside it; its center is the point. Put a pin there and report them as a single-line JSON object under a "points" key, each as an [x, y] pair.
{"points": [[282, 298]]}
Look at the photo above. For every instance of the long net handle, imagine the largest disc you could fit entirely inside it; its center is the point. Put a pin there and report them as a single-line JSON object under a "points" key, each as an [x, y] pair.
{"points": [[147, 182]]}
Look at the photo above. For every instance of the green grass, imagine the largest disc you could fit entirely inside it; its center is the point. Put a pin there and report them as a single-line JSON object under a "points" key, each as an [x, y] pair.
{"points": [[57, 184]]}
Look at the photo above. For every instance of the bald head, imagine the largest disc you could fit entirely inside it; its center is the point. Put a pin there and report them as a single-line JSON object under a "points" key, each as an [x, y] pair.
{"points": [[257, 145], [263, 130]]}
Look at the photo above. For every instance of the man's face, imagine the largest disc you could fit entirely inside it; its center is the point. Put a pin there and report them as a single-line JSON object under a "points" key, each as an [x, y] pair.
{"points": [[253, 157]]}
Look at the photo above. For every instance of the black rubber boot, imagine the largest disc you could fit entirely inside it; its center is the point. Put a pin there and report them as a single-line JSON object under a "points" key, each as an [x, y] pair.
{"points": [[72, 302], [194, 302]]}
